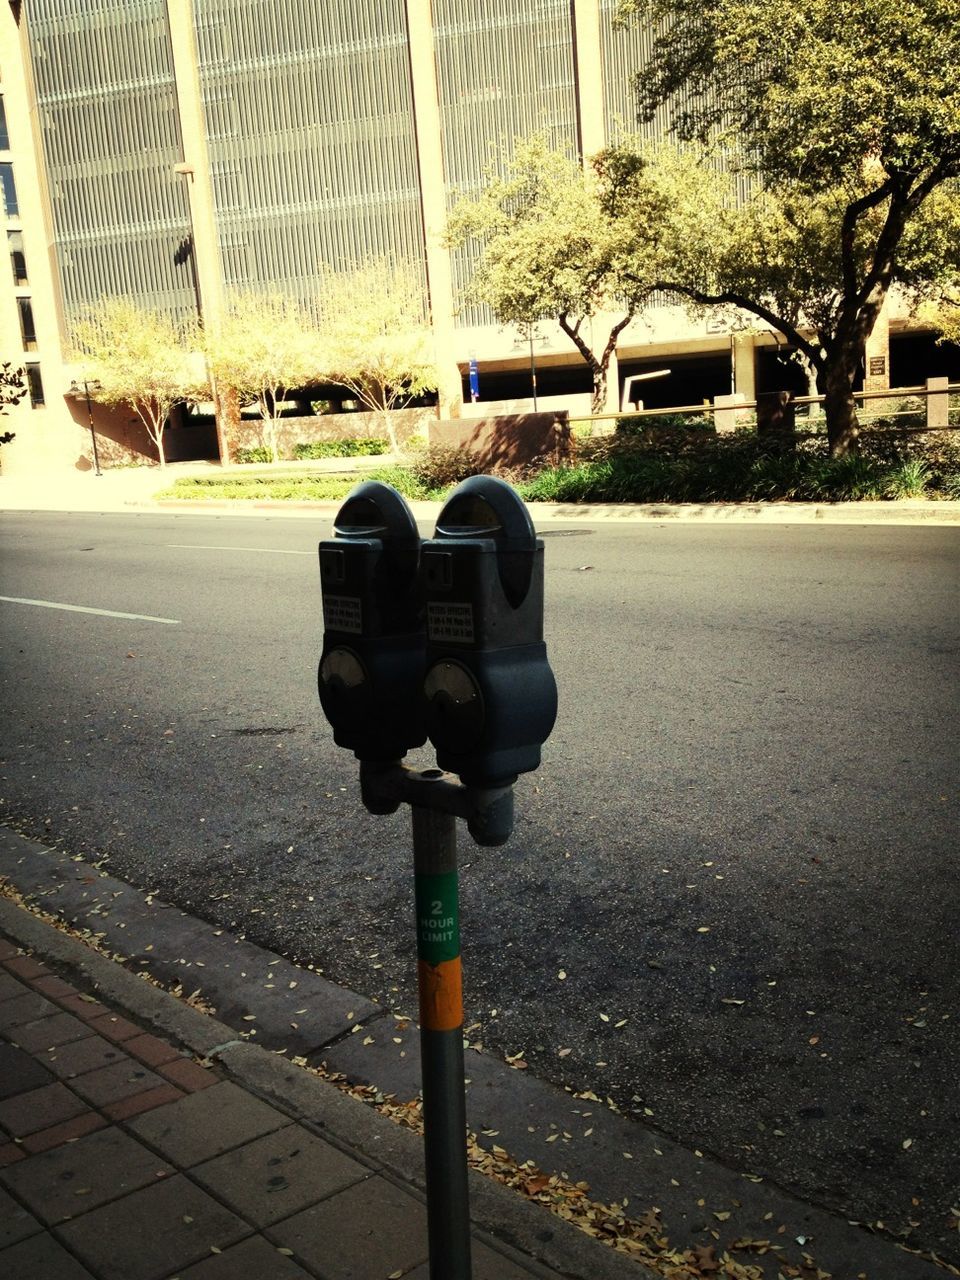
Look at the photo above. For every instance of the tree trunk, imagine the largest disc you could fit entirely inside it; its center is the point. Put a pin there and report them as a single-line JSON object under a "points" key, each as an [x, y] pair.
{"points": [[835, 382], [226, 406], [776, 420], [270, 426], [599, 402], [157, 436], [390, 429], [598, 368], [839, 406]]}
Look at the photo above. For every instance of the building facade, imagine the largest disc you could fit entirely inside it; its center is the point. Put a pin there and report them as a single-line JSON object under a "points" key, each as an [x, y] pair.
{"points": [[175, 150]]}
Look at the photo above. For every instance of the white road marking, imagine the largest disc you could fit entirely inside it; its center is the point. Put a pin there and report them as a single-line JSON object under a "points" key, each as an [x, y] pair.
{"points": [[80, 608], [274, 551]]}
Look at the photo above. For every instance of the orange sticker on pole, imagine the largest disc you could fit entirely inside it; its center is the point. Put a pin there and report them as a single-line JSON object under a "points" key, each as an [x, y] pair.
{"points": [[441, 995]]}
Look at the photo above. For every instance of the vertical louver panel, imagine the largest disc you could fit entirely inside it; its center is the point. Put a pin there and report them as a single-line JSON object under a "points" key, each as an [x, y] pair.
{"points": [[107, 108], [625, 52], [504, 70], [309, 111]]}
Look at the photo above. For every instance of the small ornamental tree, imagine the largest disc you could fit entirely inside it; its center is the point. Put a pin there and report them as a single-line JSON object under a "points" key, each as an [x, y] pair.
{"points": [[848, 116], [139, 357], [553, 244], [376, 339], [265, 346], [12, 390]]}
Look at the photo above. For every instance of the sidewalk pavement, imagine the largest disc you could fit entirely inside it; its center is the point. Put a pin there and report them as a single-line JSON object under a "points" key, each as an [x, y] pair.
{"points": [[186, 1101], [141, 1140], [132, 489]]}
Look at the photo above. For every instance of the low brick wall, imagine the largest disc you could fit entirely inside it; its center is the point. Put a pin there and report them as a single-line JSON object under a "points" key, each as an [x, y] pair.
{"points": [[507, 440], [333, 426]]}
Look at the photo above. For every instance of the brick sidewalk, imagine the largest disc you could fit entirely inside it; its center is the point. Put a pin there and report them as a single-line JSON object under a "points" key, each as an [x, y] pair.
{"points": [[121, 1158]]}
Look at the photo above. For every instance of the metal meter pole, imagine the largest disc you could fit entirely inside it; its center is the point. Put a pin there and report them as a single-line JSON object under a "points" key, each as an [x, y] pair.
{"points": [[441, 1042]]}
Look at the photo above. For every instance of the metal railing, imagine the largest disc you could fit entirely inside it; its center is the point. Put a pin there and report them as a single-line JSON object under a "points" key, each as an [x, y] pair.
{"points": [[936, 408]]}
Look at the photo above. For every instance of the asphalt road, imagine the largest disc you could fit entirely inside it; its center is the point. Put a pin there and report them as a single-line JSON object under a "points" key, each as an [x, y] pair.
{"points": [[741, 850]]}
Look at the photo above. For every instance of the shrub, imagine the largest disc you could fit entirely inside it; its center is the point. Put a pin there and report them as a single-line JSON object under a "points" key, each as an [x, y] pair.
{"points": [[909, 480], [634, 425], [366, 446], [438, 467], [846, 479], [404, 481], [256, 453], [735, 468]]}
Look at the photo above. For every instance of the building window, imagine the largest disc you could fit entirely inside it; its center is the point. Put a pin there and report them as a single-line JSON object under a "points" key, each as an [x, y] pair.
{"points": [[10, 202], [35, 385], [18, 261], [4, 133], [28, 330]]}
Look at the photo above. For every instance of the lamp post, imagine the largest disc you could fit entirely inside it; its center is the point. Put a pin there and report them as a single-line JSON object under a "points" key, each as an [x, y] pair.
{"points": [[533, 335], [87, 388]]}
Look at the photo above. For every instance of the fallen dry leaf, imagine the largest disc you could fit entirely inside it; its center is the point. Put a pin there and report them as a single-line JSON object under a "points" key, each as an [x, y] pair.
{"points": [[705, 1259], [533, 1186]]}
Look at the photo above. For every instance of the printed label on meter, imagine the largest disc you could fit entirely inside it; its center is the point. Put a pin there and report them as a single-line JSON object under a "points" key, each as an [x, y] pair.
{"points": [[343, 613], [450, 622]]}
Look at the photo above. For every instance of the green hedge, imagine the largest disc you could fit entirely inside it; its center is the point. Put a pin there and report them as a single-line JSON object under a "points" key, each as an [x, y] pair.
{"points": [[358, 448], [742, 468]]}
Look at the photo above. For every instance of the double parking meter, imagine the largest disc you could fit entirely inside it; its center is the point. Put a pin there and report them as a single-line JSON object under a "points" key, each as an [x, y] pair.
{"points": [[491, 699], [371, 667], [443, 639]]}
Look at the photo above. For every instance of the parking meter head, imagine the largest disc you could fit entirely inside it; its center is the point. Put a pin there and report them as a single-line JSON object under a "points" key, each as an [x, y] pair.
{"points": [[491, 699], [371, 666]]}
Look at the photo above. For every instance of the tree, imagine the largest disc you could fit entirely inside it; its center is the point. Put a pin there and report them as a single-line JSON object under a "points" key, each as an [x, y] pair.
{"points": [[12, 390], [265, 345], [848, 116], [376, 337], [945, 319], [141, 358], [554, 245]]}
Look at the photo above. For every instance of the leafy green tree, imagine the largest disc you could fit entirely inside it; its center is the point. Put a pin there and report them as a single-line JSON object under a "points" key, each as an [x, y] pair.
{"points": [[847, 112], [553, 244], [942, 312], [141, 358], [264, 346], [376, 339], [12, 390]]}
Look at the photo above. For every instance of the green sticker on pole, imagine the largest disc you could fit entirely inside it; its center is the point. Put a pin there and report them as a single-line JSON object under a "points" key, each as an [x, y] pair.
{"points": [[438, 920]]}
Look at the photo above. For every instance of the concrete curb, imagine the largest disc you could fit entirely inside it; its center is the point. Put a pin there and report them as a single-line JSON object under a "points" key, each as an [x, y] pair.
{"points": [[931, 514], [132, 496]]}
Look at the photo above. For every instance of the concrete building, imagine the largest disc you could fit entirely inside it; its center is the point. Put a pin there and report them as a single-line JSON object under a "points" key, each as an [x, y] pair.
{"points": [[175, 150]]}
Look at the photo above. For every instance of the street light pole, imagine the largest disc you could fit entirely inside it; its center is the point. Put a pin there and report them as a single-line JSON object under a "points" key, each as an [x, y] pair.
{"points": [[87, 388], [533, 373]]}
